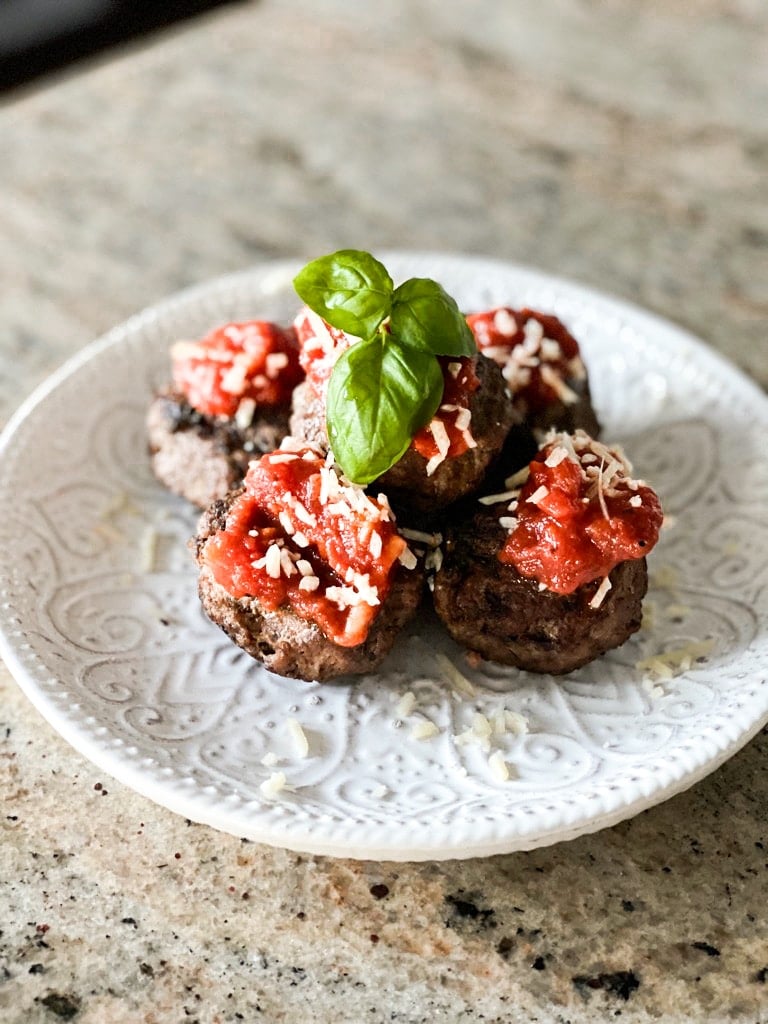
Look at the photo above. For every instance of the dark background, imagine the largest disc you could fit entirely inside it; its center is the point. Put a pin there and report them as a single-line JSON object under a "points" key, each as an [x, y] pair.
{"points": [[41, 36]]}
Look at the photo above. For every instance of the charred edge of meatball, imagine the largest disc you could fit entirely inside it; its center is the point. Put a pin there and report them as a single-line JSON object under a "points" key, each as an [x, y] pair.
{"points": [[203, 457], [289, 645], [492, 610]]}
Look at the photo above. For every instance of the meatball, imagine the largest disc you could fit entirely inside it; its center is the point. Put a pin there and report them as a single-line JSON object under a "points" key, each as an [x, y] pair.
{"points": [[542, 365], [425, 483], [229, 400], [494, 611], [304, 572], [202, 457], [551, 573]]}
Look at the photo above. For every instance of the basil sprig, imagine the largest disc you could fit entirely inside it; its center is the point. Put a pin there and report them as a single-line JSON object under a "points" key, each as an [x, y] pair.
{"points": [[387, 386]]}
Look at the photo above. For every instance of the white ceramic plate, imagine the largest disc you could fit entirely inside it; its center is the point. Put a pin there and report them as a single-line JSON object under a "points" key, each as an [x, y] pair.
{"points": [[106, 637]]}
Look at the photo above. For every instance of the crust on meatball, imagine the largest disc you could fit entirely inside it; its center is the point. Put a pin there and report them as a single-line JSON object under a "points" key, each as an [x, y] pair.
{"points": [[202, 457]]}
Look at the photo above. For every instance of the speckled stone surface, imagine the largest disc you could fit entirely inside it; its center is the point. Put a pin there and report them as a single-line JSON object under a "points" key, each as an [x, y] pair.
{"points": [[621, 144]]}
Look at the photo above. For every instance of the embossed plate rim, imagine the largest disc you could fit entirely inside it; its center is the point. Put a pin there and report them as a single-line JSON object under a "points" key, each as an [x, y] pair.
{"points": [[273, 822]]}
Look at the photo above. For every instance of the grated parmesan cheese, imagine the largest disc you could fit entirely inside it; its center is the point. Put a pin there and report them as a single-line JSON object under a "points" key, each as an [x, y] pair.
{"points": [[406, 705], [457, 679], [517, 479], [443, 442], [424, 730], [552, 379], [408, 559], [668, 664], [273, 561], [538, 495], [493, 499], [499, 767], [599, 595], [432, 540], [517, 724], [244, 414], [298, 736], [481, 725], [556, 456], [275, 362], [275, 784], [148, 549], [286, 522], [505, 323]]}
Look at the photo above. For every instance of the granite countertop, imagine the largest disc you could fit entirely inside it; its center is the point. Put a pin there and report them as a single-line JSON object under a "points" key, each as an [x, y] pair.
{"points": [[624, 145]]}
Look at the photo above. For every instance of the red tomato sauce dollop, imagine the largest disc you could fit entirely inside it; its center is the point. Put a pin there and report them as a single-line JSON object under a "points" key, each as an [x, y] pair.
{"points": [[529, 361], [568, 536], [316, 528], [460, 383], [254, 360]]}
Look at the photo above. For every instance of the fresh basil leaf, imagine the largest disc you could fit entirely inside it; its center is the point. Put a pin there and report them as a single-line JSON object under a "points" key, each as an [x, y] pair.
{"points": [[424, 316], [379, 396], [349, 289]]}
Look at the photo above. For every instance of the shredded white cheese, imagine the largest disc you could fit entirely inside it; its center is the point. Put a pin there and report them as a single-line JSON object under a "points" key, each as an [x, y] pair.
{"points": [[406, 705], [275, 362], [517, 479], [668, 664], [298, 736], [493, 499], [556, 456], [443, 442], [408, 559], [457, 679], [505, 323], [424, 730], [499, 767], [148, 549], [538, 495], [244, 415], [430, 539], [275, 784], [599, 595]]}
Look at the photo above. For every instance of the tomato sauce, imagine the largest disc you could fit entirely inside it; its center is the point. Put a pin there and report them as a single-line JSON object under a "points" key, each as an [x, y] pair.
{"points": [[253, 360], [460, 383], [578, 515], [536, 352], [298, 538], [320, 345]]}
